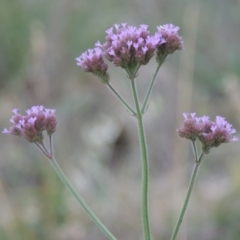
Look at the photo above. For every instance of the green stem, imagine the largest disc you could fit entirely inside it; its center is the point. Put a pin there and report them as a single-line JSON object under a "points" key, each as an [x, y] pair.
{"points": [[191, 184], [145, 168], [80, 200], [151, 85], [43, 149], [195, 150], [50, 138], [136, 70], [121, 98]]}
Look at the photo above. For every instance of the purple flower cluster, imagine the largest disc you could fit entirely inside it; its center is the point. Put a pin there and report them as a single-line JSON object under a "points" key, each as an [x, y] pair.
{"points": [[210, 134], [92, 61], [127, 46], [173, 41], [130, 47], [31, 126]]}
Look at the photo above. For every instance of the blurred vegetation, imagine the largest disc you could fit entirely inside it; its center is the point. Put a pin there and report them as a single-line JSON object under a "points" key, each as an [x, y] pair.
{"points": [[96, 142]]}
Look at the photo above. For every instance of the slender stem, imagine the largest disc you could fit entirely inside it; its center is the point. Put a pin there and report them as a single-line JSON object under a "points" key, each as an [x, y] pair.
{"points": [[121, 98], [50, 137], [195, 150], [80, 200], [151, 85], [42, 148], [191, 184], [136, 70], [145, 168]]}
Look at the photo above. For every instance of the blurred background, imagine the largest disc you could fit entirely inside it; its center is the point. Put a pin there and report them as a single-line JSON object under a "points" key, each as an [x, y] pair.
{"points": [[96, 142]]}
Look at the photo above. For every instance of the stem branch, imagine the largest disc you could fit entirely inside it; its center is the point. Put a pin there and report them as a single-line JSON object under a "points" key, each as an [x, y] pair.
{"points": [[121, 98]]}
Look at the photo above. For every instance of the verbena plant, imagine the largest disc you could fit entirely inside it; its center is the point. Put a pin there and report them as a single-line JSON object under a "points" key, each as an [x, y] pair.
{"points": [[128, 47]]}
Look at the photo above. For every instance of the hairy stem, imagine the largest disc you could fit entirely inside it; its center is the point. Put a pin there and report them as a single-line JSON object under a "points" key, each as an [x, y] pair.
{"points": [[191, 184], [80, 200], [121, 99], [145, 168], [151, 85]]}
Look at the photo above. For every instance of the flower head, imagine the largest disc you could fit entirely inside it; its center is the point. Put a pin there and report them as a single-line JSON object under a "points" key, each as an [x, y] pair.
{"points": [[92, 61], [31, 126], [129, 46], [172, 41], [209, 133]]}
